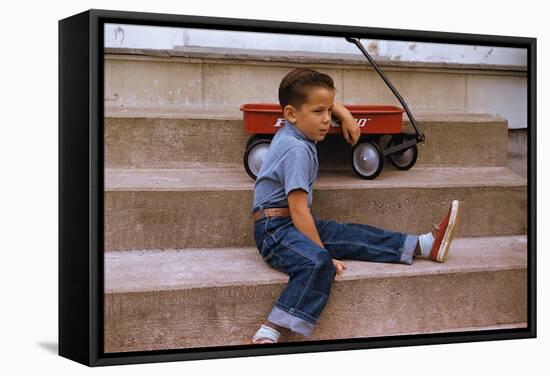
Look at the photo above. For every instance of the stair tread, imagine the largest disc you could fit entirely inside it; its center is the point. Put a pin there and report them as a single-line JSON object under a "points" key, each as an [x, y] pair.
{"points": [[237, 114], [173, 269], [206, 176]]}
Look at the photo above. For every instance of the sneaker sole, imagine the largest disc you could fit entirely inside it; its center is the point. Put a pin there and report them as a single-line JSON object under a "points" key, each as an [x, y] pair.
{"points": [[450, 232], [262, 341]]}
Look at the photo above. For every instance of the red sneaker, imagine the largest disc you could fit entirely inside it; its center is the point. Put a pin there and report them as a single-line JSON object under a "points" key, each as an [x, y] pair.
{"points": [[445, 233]]}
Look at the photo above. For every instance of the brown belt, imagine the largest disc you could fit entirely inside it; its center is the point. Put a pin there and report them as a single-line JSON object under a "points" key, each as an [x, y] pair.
{"points": [[272, 212]]}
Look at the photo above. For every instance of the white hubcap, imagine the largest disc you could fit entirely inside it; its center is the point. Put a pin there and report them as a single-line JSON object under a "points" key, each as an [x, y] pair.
{"points": [[366, 159], [256, 158]]}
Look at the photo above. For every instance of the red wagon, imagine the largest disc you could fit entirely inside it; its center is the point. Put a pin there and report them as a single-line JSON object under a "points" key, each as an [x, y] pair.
{"points": [[262, 120]]}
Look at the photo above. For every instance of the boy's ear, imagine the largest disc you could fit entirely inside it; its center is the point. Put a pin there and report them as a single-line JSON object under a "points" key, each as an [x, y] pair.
{"points": [[289, 113]]}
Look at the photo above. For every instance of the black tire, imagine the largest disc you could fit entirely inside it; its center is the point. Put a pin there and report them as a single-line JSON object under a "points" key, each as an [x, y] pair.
{"points": [[255, 149], [404, 159], [252, 138], [367, 159]]}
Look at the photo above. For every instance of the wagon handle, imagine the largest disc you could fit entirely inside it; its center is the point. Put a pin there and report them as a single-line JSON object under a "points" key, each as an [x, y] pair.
{"points": [[419, 134]]}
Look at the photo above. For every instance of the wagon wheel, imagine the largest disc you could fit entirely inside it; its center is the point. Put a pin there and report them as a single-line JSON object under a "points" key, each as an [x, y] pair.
{"points": [[254, 155], [404, 159], [367, 159]]}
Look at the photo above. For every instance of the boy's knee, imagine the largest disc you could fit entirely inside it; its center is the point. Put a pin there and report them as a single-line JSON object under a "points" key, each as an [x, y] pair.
{"points": [[324, 261], [319, 260]]}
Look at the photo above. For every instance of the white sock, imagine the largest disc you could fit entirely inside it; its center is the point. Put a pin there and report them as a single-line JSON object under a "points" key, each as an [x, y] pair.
{"points": [[426, 241], [267, 332]]}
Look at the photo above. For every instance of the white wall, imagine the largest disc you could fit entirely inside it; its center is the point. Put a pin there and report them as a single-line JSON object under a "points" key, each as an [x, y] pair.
{"points": [[153, 37]]}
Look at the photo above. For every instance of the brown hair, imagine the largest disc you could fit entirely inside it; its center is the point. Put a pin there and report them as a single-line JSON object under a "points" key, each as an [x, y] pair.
{"points": [[293, 87]]}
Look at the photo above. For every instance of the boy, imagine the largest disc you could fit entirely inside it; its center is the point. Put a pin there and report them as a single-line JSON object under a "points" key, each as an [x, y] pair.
{"points": [[291, 239]]}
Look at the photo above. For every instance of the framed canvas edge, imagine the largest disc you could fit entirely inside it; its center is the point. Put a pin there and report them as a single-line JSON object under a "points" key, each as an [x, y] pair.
{"points": [[74, 273]]}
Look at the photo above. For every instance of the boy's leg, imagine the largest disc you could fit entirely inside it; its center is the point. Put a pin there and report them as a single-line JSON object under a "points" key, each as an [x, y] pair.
{"points": [[369, 243], [364, 242], [311, 274]]}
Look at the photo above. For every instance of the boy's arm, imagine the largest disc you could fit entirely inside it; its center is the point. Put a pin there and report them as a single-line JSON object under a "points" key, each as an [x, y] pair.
{"points": [[301, 216], [303, 221], [350, 129]]}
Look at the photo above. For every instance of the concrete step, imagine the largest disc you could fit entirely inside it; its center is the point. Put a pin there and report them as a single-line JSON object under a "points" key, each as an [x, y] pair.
{"points": [[150, 139], [205, 206], [183, 298]]}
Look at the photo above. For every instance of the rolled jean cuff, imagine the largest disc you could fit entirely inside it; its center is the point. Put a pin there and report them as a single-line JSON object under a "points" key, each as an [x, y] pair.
{"points": [[294, 323], [409, 245]]}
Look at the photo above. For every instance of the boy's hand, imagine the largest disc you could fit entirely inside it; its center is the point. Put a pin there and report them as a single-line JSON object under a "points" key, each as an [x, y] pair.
{"points": [[350, 129], [340, 266]]}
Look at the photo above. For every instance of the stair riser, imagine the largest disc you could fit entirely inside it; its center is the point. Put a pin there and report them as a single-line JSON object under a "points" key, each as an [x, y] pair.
{"points": [[144, 321], [172, 143], [204, 219]]}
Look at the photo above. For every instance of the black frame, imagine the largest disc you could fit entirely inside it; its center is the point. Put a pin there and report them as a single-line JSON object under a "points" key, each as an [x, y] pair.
{"points": [[81, 186]]}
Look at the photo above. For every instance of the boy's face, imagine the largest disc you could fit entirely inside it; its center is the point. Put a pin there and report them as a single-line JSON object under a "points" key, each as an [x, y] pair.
{"points": [[313, 118]]}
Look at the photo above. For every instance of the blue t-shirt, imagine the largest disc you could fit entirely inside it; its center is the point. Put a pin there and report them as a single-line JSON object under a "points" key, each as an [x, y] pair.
{"points": [[290, 163]]}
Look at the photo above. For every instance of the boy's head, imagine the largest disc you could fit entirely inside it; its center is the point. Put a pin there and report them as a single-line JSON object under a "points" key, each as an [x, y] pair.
{"points": [[307, 97]]}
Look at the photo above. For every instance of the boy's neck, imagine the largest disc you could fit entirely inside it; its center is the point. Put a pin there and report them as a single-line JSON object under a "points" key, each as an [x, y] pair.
{"points": [[301, 131]]}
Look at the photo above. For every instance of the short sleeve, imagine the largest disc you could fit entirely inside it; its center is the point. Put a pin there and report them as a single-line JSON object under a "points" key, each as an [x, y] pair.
{"points": [[294, 169]]}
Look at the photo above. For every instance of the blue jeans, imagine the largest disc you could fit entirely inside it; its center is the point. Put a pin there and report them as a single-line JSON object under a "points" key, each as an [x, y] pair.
{"points": [[310, 267]]}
